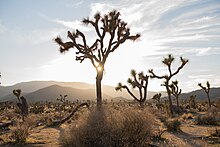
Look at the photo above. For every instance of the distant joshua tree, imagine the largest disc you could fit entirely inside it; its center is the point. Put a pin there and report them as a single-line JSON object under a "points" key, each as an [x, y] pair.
{"points": [[139, 81], [157, 97], [108, 28], [168, 62], [207, 90], [175, 91], [22, 103], [63, 100], [192, 102], [0, 76]]}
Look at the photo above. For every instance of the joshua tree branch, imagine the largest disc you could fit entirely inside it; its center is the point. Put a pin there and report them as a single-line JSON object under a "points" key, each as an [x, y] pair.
{"points": [[128, 90], [58, 123]]}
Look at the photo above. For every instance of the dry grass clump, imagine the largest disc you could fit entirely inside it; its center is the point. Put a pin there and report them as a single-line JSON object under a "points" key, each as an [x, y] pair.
{"points": [[21, 131], [111, 128], [207, 119], [212, 117], [187, 116], [173, 125], [215, 133]]}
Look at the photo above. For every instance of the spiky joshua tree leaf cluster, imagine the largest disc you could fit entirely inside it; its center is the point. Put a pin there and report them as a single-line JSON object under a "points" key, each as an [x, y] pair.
{"points": [[97, 52]]}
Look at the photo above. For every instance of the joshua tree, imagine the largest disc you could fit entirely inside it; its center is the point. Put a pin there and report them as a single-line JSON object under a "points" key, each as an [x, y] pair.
{"points": [[22, 104], [139, 81], [17, 93], [192, 102], [63, 100], [207, 90], [111, 32], [157, 97], [175, 91], [0, 76], [168, 62], [61, 106]]}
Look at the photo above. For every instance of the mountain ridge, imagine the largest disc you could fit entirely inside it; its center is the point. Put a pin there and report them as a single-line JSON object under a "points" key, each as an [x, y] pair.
{"points": [[50, 90]]}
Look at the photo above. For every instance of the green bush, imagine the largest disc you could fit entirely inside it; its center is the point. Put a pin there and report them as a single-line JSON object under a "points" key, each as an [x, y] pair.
{"points": [[111, 128]]}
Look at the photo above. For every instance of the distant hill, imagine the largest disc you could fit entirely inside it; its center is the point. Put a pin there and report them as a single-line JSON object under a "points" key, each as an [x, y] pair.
{"points": [[201, 95], [33, 86], [118, 99], [51, 93]]}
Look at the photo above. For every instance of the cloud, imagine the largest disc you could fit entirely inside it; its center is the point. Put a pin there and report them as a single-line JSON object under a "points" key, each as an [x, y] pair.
{"points": [[185, 27], [2, 27], [73, 4], [201, 76], [74, 25]]}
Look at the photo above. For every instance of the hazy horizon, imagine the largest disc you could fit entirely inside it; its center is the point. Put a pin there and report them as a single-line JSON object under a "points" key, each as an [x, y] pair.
{"points": [[183, 28]]}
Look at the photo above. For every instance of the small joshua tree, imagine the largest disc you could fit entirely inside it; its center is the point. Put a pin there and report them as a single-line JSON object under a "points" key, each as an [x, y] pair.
{"points": [[167, 77], [22, 103], [157, 97], [192, 102], [111, 32], [62, 99], [175, 91], [139, 81], [207, 90]]}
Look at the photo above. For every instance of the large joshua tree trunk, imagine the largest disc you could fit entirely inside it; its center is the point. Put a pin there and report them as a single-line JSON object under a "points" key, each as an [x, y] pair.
{"points": [[177, 103], [141, 104], [99, 88], [209, 102], [170, 100]]}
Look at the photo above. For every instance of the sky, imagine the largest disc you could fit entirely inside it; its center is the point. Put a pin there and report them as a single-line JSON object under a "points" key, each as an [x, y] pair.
{"points": [[187, 28]]}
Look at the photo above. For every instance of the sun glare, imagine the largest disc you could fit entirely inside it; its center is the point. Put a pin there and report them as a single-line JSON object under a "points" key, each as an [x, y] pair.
{"points": [[99, 68]]}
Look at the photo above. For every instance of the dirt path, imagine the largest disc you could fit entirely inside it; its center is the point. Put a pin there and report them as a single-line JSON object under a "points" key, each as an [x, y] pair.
{"points": [[191, 136], [44, 137]]}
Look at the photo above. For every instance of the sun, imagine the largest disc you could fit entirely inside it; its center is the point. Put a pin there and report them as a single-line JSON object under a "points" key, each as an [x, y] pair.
{"points": [[99, 68]]}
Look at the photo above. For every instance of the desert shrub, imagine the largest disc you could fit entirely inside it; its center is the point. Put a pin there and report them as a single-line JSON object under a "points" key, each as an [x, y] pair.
{"points": [[207, 119], [21, 131], [212, 117], [215, 133], [173, 125], [187, 116], [111, 128]]}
